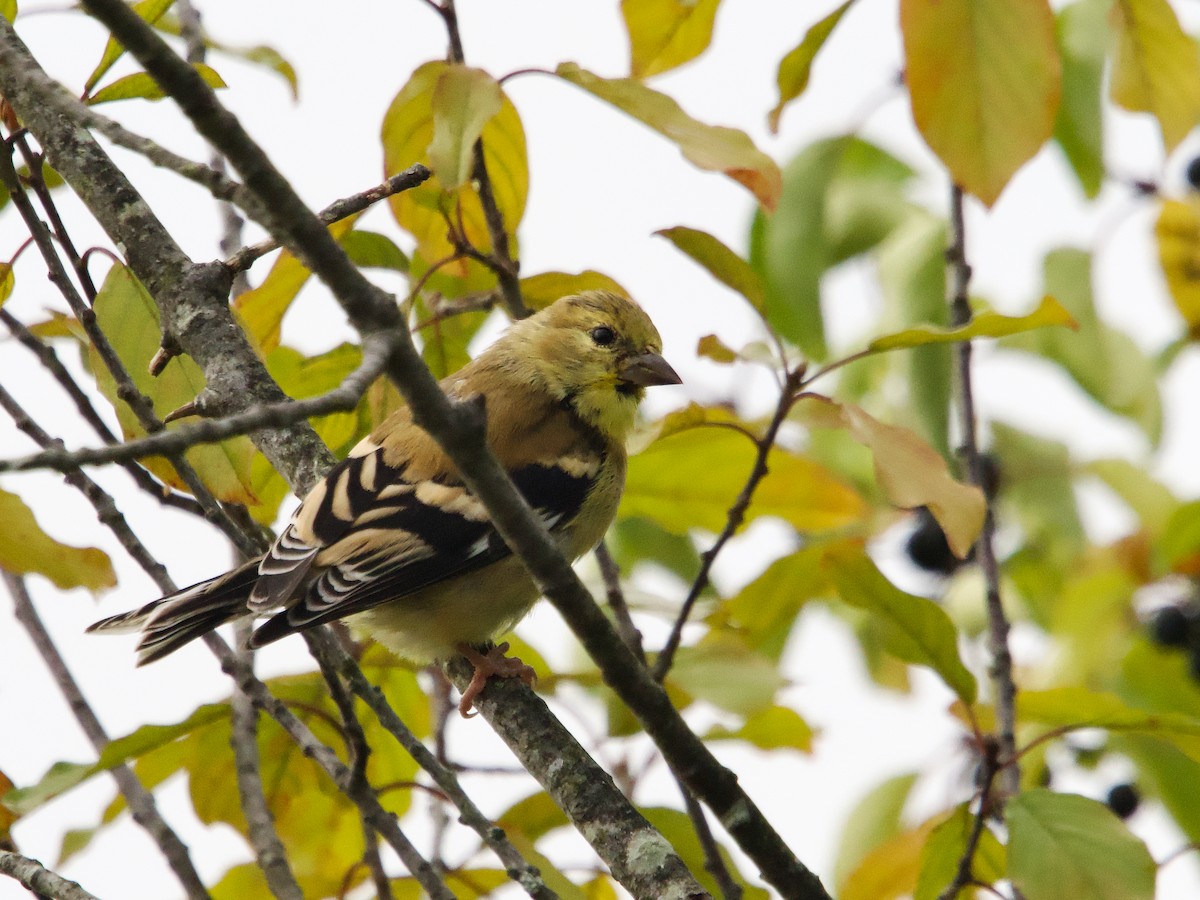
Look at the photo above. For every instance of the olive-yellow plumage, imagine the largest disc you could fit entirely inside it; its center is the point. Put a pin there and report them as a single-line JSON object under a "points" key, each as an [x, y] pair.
{"points": [[393, 541]]}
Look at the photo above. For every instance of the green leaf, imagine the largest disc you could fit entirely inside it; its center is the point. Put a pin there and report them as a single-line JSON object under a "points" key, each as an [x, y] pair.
{"points": [[1064, 845], [1082, 32], [708, 147], [912, 273], [946, 845], [679, 831], [25, 548], [149, 11], [260, 55], [464, 101], [75, 840], [720, 262], [540, 290], [1077, 707], [794, 69], [634, 540], [984, 77], [874, 820], [7, 281], [664, 34], [840, 197], [690, 479], [918, 631], [8, 9], [1150, 500], [372, 250], [408, 130], [1156, 68], [1095, 351], [764, 611], [773, 728], [1169, 774], [728, 674], [142, 86], [985, 324]]}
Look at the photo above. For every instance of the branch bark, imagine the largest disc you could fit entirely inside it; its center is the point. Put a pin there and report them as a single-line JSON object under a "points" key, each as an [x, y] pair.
{"points": [[40, 880]]}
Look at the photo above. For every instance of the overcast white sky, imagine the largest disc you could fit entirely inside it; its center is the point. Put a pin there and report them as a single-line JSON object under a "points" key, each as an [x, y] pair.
{"points": [[601, 185]]}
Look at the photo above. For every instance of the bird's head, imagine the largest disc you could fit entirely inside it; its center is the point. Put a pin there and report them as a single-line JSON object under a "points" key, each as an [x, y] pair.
{"points": [[599, 352]]}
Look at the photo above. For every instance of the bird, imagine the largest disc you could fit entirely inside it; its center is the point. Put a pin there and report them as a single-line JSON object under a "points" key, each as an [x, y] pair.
{"points": [[391, 539]]}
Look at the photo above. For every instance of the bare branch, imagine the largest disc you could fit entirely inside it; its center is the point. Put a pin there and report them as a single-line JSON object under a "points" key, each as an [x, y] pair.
{"points": [[254, 419], [336, 211], [1001, 669], [141, 801], [40, 880]]}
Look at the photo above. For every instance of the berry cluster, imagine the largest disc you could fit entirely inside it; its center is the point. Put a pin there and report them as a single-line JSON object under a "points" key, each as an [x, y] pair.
{"points": [[1178, 626]]}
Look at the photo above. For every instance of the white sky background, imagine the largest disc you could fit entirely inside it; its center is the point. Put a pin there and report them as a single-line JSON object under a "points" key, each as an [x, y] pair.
{"points": [[601, 185]]}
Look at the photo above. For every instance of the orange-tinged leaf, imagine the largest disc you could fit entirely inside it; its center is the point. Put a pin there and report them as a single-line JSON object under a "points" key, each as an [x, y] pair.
{"points": [[464, 100], [142, 86], [424, 211], [984, 324], [891, 869], [911, 473], [690, 478], [1156, 68], [25, 548], [1178, 232], [664, 34], [709, 147], [127, 314], [794, 69], [261, 309], [540, 290], [984, 77]]}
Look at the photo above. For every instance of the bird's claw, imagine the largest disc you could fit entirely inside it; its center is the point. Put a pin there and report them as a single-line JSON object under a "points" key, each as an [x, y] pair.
{"points": [[496, 663]]}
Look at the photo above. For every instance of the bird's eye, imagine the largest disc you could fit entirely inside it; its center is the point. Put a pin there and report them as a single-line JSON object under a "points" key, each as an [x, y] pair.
{"points": [[603, 335]]}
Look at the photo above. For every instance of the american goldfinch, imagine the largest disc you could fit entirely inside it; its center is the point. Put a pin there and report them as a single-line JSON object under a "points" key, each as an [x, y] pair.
{"points": [[392, 540]]}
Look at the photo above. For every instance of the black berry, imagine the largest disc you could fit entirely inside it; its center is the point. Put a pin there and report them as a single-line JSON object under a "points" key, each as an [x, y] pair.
{"points": [[1170, 626], [927, 546], [1123, 799], [1193, 173]]}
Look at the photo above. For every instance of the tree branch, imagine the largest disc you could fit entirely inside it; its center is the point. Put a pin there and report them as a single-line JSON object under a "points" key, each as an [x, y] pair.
{"points": [[40, 880], [1001, 667], [141, 802]]}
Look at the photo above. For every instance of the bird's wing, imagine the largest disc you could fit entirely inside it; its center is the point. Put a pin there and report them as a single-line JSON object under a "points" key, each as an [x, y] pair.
{"points": [[374, 532]]}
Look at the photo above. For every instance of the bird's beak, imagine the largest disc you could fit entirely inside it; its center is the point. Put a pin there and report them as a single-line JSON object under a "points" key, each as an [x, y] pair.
{"points": [[647, 370]]}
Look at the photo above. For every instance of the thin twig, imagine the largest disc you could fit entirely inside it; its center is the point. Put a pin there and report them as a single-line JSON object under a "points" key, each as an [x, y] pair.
{"points": [[344, 397], [336, 211], [269, 851], [40, 880], [985, 776], [141, 802], [611, 573], [737, 513], [359, 752], [713, 863], [334, 657], [1001, 669]]}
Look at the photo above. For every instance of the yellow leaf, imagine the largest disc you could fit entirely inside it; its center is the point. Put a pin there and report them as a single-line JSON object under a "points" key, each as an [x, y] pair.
{"points": [[891, 869], [408, 129], [984, 324], [464, 100], [25, 548], [664, 34], [127, 314], [709, 147], [262, 309], [721, 262], [910, 472], [984, 77], [141, 85], [1156, 68], [6, 281], [1178, 234], [691, 478], [712, 347], [149, 11], [540, 290], [794, 68]]}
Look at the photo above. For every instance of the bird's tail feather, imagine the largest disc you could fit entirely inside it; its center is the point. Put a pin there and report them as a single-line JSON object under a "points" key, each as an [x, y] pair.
{"points": [[178, 618]]}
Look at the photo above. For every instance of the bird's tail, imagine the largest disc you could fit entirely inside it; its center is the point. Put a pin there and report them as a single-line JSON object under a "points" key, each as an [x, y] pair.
{"points": [[169, 623]]}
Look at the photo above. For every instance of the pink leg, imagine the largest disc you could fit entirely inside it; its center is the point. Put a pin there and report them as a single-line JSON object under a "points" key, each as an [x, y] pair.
{"points": [[494, 662]]}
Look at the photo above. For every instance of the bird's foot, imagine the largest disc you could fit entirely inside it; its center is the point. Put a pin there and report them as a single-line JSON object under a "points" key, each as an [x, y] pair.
{"points": [[494, 662]]}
